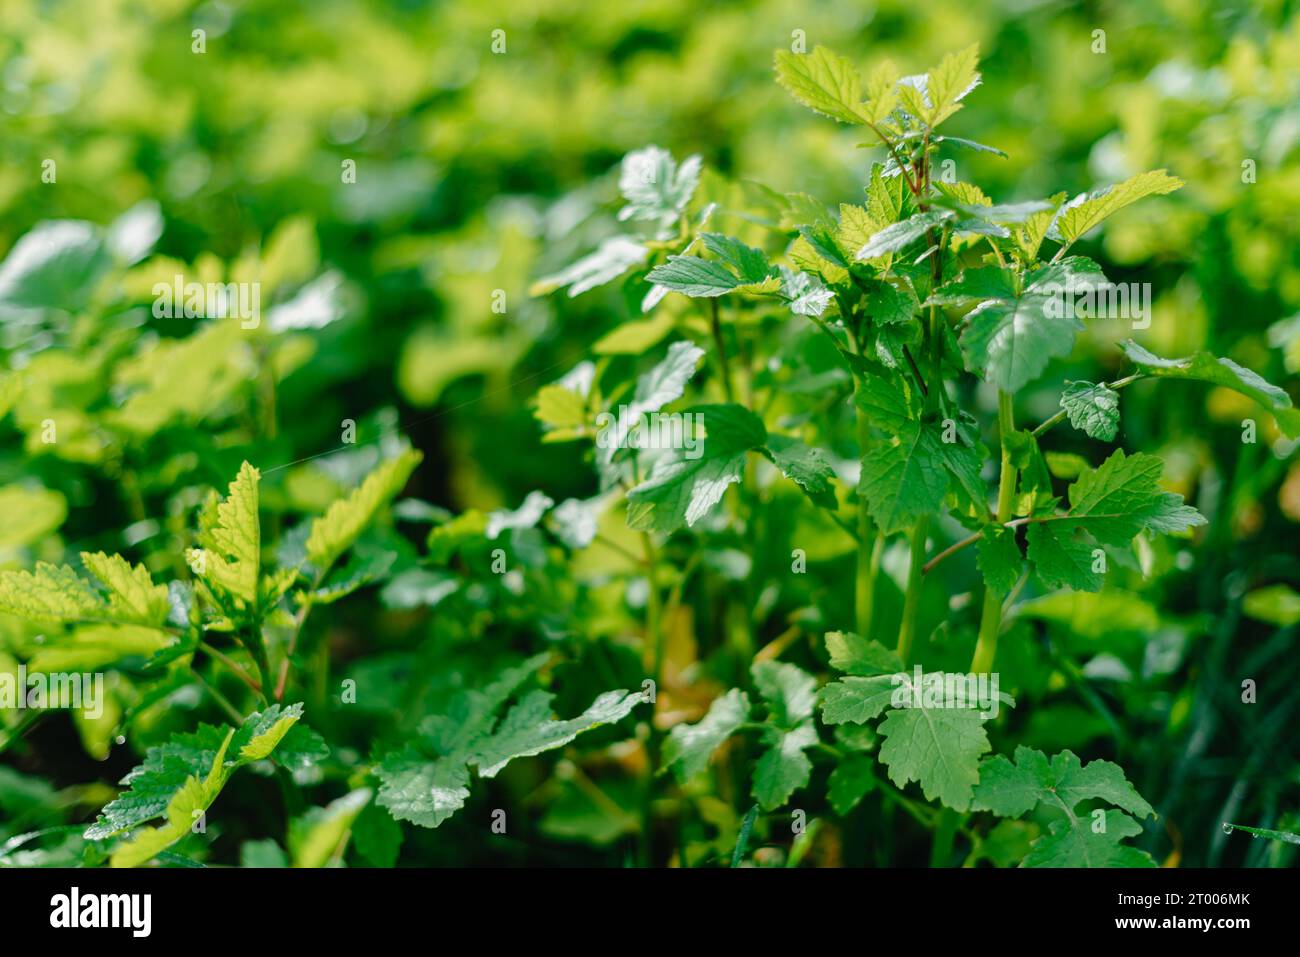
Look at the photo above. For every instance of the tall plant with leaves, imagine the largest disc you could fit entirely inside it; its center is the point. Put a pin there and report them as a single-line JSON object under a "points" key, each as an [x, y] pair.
{"points": [[925, 289]]}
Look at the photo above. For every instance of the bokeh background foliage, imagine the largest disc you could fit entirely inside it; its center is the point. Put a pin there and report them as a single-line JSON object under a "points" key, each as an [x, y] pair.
{"points": [[479, 172]]}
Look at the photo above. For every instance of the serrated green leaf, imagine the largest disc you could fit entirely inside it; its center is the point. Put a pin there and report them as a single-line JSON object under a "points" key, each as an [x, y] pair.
{"points": [[231, 540], [1086, 211], [421, 791], [50, 593], [1010, 342], [898, 236], [151, 786], [1092, 408], [823, 81], [1111, 504], [681, 490], [856, 699], [336, 531], [890, 305], [939, 747], [1066, 845], [905, 480], [983, 282], [805, 465], [1013, 789], [133, 598], [949, 82], [855, 655], [998, 558]]}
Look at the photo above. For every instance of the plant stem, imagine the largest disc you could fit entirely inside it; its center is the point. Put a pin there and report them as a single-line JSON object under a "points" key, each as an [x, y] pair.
{"points": [[720, 345], [941, 846], [655, 638], [231, 711], [912, 598], [243, 675], [869, 543], [986, 645]]}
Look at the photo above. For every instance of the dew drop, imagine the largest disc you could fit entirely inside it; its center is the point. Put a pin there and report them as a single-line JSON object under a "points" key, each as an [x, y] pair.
{"points": [[1227, 828]]}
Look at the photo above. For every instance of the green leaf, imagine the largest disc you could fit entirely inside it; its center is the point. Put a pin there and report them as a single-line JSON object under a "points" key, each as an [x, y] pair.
{"points": [[890, 304], [611, 259], [984, 282], [57, 593], [133, 598], [1276, 604], [949, 82], [1012, 790], [1088, 210], [1092, 408], [939, 747], [1066, 845], [739, 268], [680, 490], [1010, 342], [689, 746], [167, 767], [153, 783], [655, 187], [319, 835], [823, 81], [1223, 372], [850, 782], [855, 655], [804, 293], [695, 277], [421, 791], [55, 265], [906, 480], [783, 768], [561, 408], [882, 93], [528, 729], [857, 699], [749, 264], [95, 647], [805, 465], [898, 236], [788, 691], [336, 531], [1111, 504], [998, 558], [886, 401], [263, 731], [231, 540]]}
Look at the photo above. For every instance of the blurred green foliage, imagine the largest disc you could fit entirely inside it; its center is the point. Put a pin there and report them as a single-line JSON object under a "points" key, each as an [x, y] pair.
{"points": [[478, 172]]}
